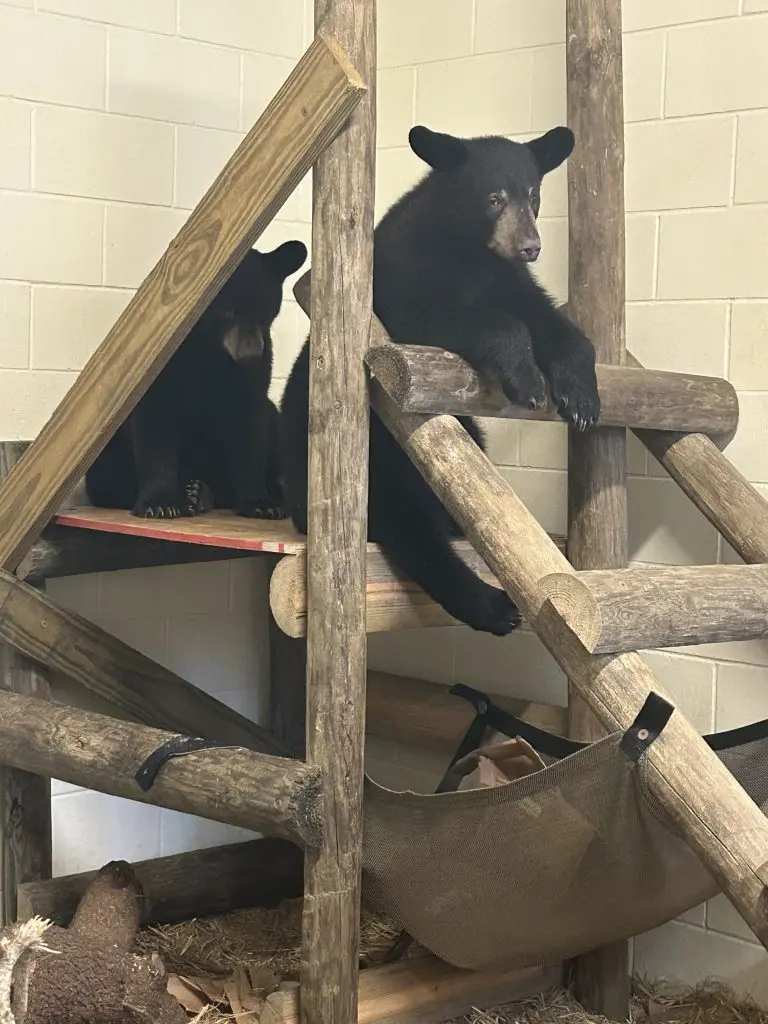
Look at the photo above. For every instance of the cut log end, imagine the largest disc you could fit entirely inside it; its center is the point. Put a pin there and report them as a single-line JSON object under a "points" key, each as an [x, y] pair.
{"points": [[576, 604]]}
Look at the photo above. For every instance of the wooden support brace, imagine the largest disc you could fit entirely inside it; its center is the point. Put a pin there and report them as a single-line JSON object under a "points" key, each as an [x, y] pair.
{"points": [[704, 802], [598, 525], [258, 873], [26, 851], [671, 606], [136, 685], [421, 990], [430, 380], [274, 795], [392, 602], [337, 504], [64, 551], [717, 488], [293, 131]]}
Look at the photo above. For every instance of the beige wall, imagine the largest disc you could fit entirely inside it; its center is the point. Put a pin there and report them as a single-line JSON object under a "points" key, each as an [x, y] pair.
{"points": [[114, 117]]}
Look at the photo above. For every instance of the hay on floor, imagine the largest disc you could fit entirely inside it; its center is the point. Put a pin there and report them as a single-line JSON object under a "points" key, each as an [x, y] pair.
{"points": [[216, 946], [709, 1003]]}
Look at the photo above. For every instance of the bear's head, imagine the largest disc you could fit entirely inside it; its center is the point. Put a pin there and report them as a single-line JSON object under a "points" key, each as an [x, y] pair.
{"points": [[248, 303], [489, 187]]}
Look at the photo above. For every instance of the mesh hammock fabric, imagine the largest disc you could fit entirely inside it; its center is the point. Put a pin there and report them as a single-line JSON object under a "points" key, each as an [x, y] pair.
{"points": [[551, 865]]}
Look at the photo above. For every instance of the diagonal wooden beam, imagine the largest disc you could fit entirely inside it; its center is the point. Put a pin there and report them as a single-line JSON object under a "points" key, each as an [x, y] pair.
{"points": [[135, 685], [280, 149]]}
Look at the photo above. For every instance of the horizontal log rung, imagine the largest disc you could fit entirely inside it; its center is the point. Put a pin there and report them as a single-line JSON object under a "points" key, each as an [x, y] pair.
{"points": [[429, 380], [612, 611], [392, 601], [274, 795]]}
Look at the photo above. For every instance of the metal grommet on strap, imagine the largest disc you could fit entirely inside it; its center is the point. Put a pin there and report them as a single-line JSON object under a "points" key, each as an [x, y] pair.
{"points": [[176, 746], [647, 727]]}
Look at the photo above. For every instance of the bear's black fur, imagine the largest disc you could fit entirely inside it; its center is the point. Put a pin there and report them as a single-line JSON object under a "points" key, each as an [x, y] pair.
{"points": [[205, 432], [450, 271]]}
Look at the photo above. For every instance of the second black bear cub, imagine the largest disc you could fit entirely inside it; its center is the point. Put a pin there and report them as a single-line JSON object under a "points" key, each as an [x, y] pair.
{"points": [[451, 270], [205, 432]]}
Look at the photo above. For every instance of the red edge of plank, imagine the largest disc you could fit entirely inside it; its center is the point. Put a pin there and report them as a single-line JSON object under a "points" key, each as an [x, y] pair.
{"points": [[142, 529]]}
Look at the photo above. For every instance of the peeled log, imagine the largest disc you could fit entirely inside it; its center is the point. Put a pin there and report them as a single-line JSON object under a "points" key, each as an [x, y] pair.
{"points": [[616, 610], [430, 380], [274, 795], [392, 601]]}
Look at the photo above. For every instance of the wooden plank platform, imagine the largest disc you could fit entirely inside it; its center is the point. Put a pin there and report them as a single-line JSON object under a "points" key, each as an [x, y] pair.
{"points": [[215, 529]]}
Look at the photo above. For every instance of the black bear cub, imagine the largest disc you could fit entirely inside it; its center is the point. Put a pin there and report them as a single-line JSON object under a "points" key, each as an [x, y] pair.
{"points": [[205, 433], [451, 270]]}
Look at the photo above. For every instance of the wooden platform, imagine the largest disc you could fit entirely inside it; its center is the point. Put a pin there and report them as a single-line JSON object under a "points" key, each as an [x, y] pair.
{"points": [[214, 529]]}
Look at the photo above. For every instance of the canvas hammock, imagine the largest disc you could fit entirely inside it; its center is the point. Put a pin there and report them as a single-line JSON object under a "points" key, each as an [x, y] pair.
{"points": [[551, 865]]}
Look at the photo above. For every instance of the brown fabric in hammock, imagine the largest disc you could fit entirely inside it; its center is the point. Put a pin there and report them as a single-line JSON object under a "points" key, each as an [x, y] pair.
{"points": [[550, 866]]}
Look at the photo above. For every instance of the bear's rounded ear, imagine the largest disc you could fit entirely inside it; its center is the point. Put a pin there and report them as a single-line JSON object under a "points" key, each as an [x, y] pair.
{"points": [[286, 259], [552, 148], [442, 152]]}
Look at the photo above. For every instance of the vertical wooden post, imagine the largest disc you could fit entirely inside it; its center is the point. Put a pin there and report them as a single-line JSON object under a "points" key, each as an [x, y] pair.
{"points": [[342, 302], [597, 490], [25, 800]]}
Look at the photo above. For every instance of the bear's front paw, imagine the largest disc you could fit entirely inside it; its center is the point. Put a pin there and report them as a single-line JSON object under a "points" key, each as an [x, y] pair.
{"points": [[267, 507], [496, 613], [525, 386], [575, 395]]}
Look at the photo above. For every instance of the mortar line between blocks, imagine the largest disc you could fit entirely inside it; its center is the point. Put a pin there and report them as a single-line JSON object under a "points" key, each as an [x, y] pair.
{"points": [[734, 158], [664, 58]]}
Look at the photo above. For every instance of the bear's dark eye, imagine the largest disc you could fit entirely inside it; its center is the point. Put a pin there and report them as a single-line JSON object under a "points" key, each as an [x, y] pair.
{"points": [[496, 200], [535, 202]]}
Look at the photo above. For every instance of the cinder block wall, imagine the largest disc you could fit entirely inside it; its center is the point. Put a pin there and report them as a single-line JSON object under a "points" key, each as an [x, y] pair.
{"points": [[115, 115]]}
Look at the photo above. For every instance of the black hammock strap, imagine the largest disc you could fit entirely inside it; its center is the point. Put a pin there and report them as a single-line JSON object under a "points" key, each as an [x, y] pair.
{"points": [[646, 728]]}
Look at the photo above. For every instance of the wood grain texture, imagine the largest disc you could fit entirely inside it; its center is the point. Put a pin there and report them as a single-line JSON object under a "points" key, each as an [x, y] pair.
{"points": [[240, 787], [598, 530], [25, 799], [142, 690], [423, 714], [704, 802], [430, 380], [287, 686], [422, 990], [392, 601], [616, 610], [62, 551], [259, 873], [717, 488], [342, 259], [219, 529], [286, 141]]}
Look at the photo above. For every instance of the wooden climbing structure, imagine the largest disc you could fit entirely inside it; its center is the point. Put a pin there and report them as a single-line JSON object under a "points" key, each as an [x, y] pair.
{"points": [[590, 611]]}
